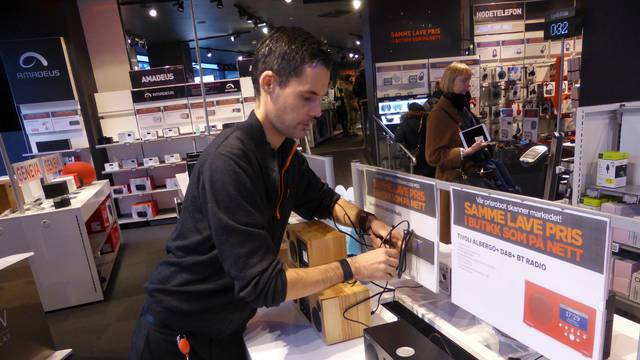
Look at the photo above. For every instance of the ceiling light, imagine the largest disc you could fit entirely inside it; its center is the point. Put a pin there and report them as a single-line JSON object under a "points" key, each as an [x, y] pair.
{"points": [[219, 5], [179, 5], [262, 24], [287, 1], [240, 57], [209, 53], [265, 30], [351, 55], [153, 12], [355, 56], [233, 39], [356, 4], [358, 42]]}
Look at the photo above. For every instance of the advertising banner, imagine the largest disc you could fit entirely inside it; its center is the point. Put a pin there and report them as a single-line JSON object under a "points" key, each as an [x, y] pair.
{"points": [[534, 271], [392, 198], [37, 70], [168, 75], [158, 94]]}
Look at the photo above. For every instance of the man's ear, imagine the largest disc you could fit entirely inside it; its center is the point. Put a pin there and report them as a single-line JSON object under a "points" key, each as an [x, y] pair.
{"points": [[268, 81]]}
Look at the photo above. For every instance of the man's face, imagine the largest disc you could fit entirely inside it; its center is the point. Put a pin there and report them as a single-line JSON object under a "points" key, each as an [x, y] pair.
{"points": [[294, 106]]}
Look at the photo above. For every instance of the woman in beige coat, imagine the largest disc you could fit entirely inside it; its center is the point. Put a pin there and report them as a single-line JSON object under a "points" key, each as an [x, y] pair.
{"points": [[444, 148]]}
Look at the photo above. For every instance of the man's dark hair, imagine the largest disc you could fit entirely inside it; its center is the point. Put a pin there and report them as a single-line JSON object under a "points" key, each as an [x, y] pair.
{"points": [[286, 51]]}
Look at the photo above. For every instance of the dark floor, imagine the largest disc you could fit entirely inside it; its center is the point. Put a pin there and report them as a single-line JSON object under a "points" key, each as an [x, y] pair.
{"points": [[102, 331]]}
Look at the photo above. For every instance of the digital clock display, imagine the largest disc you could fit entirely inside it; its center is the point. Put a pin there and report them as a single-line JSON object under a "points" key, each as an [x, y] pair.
{"points": [[573, 318], [561, 28]]}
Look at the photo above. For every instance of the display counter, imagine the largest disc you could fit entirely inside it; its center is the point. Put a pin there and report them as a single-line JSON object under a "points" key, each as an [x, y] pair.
{"points": [[75, 247], [282, 332]]}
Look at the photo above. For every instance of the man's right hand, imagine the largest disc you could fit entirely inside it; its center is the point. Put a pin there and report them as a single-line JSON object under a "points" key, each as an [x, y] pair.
{"points": [[378, 264]]}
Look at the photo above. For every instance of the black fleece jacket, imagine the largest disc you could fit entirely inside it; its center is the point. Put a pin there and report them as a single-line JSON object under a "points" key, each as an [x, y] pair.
{"points": [[222, 261]]}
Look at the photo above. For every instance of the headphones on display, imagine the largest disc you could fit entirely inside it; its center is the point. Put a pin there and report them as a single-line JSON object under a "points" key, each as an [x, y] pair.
{"points": [[496, 113], [421, 76], [494, 53], [485, 74], [516, 92], [532, 72], [483, 113], [543, 49], [502, 74]]}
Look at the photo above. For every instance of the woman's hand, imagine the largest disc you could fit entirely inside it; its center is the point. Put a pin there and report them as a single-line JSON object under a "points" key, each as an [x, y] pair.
{"points": [[477, 146]]}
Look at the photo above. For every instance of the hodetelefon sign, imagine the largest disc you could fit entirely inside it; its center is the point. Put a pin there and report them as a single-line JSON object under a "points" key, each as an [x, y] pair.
{"points": [[37, 70], [498, 12]]}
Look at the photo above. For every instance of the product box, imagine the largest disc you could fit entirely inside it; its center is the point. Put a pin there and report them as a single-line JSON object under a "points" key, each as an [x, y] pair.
{"points": [[71, 182], [113, 166], [172, 131], [100, 219], [634, 293], [623, 269], [612, 169], [144, 210], [150, 135], [151, 161], [141, 184], [172, 158], [70, 159], [530, 124], [111, 243], [172, 183], [118, 190], [129, 163], [127, 136]]}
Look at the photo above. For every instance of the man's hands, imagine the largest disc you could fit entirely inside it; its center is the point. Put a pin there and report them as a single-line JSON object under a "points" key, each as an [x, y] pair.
{"points": [[379, 232], [378, 264]]}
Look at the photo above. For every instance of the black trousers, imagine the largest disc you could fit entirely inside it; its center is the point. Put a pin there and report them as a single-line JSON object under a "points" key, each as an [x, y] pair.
{"points": [[151, 342]]}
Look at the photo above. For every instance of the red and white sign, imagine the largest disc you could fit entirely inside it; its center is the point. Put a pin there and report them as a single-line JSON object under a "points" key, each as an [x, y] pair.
{"points": [[51, 163], [27, 171]]}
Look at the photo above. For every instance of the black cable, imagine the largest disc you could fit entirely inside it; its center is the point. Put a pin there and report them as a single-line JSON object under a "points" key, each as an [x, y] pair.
{"points": [[444, 344], [360, 235]]}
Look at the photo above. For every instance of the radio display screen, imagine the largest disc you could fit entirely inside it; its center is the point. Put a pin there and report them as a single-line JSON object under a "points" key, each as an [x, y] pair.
{"points": [[573, 318]]}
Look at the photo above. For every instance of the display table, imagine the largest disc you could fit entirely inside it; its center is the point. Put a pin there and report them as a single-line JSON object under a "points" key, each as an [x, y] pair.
{"points": [[24, 332], [69, 266], [281, 332]]}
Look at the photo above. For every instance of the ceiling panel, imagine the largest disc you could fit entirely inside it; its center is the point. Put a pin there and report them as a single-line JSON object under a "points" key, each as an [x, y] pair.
{"points": [[340, 32]]}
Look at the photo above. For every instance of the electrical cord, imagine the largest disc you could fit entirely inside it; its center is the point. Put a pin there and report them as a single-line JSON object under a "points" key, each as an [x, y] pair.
{"points": [[444, 344]]}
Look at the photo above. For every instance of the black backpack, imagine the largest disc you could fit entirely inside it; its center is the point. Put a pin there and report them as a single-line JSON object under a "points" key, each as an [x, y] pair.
{"points": [[422, 167]]}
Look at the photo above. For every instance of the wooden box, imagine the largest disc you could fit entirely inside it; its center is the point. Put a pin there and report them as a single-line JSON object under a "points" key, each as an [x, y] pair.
{"points": [[7, 198], [315, 243], [325, 311]]}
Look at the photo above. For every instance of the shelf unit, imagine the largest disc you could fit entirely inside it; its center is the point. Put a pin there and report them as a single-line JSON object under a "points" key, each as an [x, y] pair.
{"points": [[630, 193], [69, 271], [226, 103], [77, 150]]}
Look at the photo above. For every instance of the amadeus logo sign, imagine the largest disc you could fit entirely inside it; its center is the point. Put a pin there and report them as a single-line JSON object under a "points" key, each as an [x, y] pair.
{"points": [[31, 58], [163, 76], [37, 70]]}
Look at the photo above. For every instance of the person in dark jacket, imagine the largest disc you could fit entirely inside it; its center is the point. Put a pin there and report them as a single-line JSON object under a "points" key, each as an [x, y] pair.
{"points": [[222, 258], [407, 132]]}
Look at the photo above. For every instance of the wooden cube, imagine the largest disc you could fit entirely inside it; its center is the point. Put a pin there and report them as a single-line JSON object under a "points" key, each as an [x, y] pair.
{"points": [[315, 243]]}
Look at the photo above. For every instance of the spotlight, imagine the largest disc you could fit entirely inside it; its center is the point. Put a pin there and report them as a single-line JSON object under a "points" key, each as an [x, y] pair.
{"points": [[358, 42], [240, 57], [209, 53], [219, 4], [265, 30], [233, 39], [153, 12], [355, 56], [351, 55], [287, 1], [356, 4]]}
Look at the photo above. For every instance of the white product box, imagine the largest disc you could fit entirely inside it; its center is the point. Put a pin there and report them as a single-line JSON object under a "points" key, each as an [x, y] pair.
{"points": [[172, 183], [118, 190], [38, 126], [202, 128], [142, 184], [530, 124], [151, 161], [71, 183], [129, 163], [112, 166], [634, 294], [612, 173], [150, 135], [169, 132], [127, 136], [172, 158]]}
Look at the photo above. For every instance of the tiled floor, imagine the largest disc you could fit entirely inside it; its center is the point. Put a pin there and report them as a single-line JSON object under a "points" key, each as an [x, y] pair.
{"points": [[102, 331]]}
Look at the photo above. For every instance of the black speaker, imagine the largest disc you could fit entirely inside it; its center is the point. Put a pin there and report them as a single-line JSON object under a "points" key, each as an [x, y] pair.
{"points": [[398, 341], [54, 190]]}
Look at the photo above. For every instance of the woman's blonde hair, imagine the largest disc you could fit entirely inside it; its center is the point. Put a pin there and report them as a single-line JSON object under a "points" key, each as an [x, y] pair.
{"points": [[452, 71]]}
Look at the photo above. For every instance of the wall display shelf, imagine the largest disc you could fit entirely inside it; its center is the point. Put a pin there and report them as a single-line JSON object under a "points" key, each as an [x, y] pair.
{"points": [[77, 150], [72, 270], [630, 193], [227, 101], [143, 168]]}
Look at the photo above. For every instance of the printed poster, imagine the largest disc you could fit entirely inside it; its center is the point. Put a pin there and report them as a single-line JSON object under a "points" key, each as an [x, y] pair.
{"points": [[532, 270]]}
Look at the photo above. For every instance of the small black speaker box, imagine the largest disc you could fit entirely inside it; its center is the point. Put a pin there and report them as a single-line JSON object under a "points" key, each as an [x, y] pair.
{"points": [[398, 341], [53, 145]]}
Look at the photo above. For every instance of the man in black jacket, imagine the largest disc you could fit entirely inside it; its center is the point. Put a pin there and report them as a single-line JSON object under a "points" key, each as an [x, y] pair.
{"points": [[222, 261]]}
